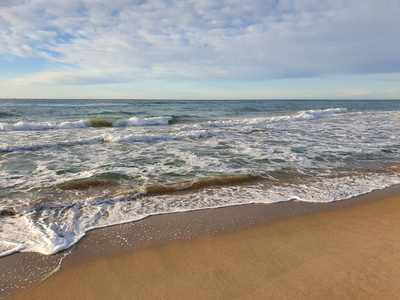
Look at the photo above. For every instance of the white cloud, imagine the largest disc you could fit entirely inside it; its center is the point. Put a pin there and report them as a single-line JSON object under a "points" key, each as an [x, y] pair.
{"points": [[114, 40], [71, 77]]}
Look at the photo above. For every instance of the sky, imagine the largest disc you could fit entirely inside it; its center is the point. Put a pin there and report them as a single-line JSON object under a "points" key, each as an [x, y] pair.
{"points": [[200, 49]]}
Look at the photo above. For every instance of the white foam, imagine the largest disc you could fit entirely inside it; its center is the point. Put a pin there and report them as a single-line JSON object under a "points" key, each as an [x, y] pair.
{"points": [[52, 229], [134, 121], [32, 126], [299, 116], [313, 143], [27, 126], [9, 148], [148, 138]]}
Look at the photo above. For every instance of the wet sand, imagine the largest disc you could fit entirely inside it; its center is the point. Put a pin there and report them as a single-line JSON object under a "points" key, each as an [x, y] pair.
{"points": [[342, 250]]}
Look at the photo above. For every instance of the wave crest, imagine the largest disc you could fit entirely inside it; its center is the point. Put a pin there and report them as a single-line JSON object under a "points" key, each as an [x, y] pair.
{"points": [[94, 122], [299, 116]]}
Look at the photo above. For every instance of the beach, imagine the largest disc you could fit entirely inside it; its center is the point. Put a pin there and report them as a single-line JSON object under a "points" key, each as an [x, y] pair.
{"points": [[130, 199], [345, 249], [199, 150]]}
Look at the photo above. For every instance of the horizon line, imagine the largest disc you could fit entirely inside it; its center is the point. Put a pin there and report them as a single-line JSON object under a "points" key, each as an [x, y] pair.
{"points": [[210, 99]]}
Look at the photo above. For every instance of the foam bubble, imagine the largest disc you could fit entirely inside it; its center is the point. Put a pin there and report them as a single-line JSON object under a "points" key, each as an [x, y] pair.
{"points": [[148, 138], [31, 147], [55, 228]]}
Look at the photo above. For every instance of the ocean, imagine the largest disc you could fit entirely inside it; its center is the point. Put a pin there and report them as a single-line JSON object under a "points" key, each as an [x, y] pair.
{"points": [[69, 166]]}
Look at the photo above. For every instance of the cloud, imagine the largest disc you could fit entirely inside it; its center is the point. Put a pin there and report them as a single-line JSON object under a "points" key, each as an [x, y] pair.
{"points": [[172, 39], [71, 77]]}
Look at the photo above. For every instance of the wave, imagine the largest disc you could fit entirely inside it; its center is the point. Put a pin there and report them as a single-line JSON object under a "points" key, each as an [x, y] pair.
{"points": [[6, 115], [135, 121], [110, 112], [105, 180], [221, 180], [50, 229], [101, 180], [299, 116], [189, 131], [111, 138], [28, 126], [94, 122], [155, 137], [35, 147]]}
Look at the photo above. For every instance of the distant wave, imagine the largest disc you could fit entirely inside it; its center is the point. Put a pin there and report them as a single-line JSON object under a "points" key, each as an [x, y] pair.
{"points": [[28, 126], [111, 138], [34, 147], [190, 131], [134, 121], [299, 116], [6, 115], [94, 122]]}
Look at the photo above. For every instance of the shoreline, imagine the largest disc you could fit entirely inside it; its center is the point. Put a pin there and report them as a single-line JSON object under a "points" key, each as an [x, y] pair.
{"points": [[157, 234]]}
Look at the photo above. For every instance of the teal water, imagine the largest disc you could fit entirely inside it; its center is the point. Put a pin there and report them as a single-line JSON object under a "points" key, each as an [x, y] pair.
{"points": [[67, 166], [70, 110]]}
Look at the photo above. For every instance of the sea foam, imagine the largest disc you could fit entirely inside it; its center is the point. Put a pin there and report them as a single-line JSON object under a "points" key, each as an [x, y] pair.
{"points": [[51, 229], [62, 188], [95, 122], [299, 116]]}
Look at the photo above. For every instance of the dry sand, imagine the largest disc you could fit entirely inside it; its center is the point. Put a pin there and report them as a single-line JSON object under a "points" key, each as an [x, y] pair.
{"points": [[348, 253]]}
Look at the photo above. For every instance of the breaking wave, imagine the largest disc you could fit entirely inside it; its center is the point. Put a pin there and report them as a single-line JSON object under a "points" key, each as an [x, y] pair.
{"points": [[299, 116], [135, 121], [94, 122], [53, 228]]}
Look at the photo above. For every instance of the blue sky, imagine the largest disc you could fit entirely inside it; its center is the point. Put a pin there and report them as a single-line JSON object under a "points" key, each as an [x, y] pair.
{"points": [[229, 49]]}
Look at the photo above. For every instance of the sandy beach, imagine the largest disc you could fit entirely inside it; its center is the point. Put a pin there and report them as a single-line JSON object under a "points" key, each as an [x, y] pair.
{"points": [[168, 149], [350, 252]]}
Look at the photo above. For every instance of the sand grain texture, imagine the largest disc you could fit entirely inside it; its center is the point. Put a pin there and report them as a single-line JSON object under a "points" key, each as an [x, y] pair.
{"points": [[350, 253]]}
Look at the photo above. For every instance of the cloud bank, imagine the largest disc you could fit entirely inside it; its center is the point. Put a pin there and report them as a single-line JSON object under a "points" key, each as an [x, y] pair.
{"points": [[118, 41]]}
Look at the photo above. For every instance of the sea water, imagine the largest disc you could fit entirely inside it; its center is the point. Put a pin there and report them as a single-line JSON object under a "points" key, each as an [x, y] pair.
{"points": [[68, 166]]}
